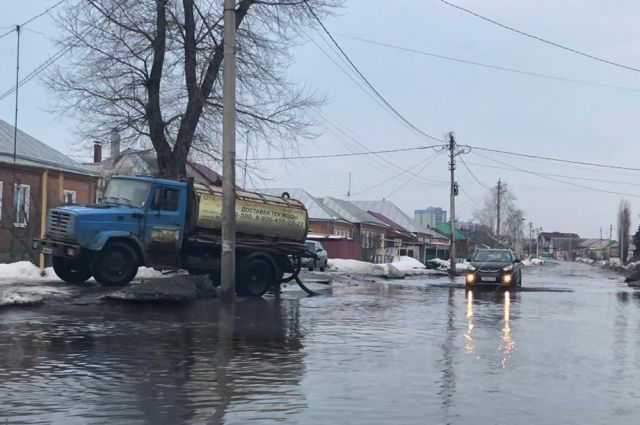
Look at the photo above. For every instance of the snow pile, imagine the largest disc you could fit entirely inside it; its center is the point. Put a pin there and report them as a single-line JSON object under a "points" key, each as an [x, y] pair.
{"points": [[445, 265], [149, 273], [25, 270], [533, 262], [400, 267], [356, 267], [18, 298], [584, 260], [632, 265]]}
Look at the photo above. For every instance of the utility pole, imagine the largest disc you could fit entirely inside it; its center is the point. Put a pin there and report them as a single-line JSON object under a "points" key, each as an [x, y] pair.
{"points": [[15, 120], [228, 260], [452, 206], [601, 250], [500, 193], [349, 189], [538, 243], [609, 247], [530, 237]]}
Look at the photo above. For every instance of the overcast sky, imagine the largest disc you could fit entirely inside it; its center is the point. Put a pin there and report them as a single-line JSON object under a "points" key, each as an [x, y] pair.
{"points": [[485, 107]]}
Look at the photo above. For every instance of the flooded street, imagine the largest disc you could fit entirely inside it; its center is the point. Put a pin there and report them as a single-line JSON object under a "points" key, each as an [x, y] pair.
{"points": [[565, 349]]}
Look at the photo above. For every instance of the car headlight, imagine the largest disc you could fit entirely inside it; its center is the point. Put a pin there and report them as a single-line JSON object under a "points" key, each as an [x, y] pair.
{"points": [[471, 268], [508, 268]]}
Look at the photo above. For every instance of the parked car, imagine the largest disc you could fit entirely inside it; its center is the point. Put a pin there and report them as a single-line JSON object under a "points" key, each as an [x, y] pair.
{"points": [[494, 267], [311, 263]]}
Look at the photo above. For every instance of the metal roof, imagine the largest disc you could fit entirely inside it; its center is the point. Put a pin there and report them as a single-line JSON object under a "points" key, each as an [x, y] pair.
{"points": [[351, 212], [31, 151], [392, 212], [315, 208]]}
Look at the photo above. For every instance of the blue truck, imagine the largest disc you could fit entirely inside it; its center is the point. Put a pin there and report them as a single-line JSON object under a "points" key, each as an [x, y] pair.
{"points": [[174, 225]]}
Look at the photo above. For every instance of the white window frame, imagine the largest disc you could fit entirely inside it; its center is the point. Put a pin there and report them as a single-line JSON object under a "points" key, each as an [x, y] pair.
{"points": [[27, 204], [69, 192], [1, 192]]}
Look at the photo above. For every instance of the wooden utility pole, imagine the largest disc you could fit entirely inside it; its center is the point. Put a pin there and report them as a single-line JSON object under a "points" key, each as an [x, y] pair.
{"points": [[499, 188], [452, 206], [228, 257], [530, 237], [609, 247], [601, 250]]}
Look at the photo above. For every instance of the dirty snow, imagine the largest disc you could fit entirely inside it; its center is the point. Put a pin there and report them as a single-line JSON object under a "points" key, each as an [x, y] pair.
{"points": [[400, 267], [25, 271], [533, 262]]}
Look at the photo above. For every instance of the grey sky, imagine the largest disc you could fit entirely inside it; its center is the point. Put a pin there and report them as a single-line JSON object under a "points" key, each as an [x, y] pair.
{"points": [[484, 107]]}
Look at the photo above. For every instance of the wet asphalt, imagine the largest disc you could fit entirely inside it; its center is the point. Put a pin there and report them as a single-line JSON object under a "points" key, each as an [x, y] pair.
{"points": [[563, 350]]}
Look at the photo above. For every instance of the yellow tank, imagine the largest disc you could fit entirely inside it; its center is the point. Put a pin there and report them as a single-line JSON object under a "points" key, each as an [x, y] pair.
{"points": [[258, 215]]}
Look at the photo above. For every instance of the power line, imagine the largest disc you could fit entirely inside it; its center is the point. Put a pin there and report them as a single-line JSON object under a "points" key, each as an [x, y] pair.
{"points": [[473, 175], [547, 158], [340, 155], [28, 21], [366, 81], [414, 175], [562, 176], [559, 180], [496, 67], [535, 37]]}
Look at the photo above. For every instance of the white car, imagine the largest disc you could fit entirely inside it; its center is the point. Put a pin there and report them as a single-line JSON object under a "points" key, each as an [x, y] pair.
{"points": [[311, 263]]}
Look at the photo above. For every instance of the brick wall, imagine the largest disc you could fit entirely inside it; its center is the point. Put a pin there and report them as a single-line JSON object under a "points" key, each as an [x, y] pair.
{"points": [[15, 241]]}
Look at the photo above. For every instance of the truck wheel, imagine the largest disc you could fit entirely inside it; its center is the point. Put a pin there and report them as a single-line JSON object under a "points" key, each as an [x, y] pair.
{"points": [[115, 265], [71, 271], [255, 278]]}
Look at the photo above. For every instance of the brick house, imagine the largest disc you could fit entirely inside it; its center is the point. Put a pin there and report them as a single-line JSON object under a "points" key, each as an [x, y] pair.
{"points": [[368, 230], [38, 178]]}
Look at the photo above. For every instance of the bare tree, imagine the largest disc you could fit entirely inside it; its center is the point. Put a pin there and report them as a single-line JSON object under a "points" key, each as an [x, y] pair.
{"points": [[152, 70], [510, 216], [624, 225]]}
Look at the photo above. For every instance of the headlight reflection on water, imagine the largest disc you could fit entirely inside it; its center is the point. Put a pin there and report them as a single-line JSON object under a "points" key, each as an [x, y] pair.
{"points": [[507, 343], [469, 347]]}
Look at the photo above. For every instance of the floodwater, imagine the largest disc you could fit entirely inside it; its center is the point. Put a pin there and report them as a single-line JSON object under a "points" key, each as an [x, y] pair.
{"points": [[564, 350]]}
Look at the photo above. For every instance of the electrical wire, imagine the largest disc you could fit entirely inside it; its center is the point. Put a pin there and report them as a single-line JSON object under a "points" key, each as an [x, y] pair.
{"points": [[495, 67], [28, 21], [559, 180], [413, 176], [561, 175], [473, 175], [365, 80], [535, 37], [340, 155], [382, 183], [547, 158]]}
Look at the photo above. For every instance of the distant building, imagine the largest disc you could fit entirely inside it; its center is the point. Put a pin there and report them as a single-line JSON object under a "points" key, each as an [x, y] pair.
{"points": [[431, 217]]}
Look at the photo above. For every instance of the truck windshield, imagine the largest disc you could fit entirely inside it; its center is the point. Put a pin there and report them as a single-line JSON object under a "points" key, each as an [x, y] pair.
{"points": [[131, 193]]}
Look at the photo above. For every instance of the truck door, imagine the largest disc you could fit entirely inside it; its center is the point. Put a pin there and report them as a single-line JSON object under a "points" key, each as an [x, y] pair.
{"points": [[163, 227]]}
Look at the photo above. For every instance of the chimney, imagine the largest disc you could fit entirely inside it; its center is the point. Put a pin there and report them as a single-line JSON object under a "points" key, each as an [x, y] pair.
{"points": [[97, 152], [115, 143]]}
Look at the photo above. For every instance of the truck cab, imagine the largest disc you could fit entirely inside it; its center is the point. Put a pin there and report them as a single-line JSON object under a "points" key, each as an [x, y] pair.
{"points": [[138, 221]]}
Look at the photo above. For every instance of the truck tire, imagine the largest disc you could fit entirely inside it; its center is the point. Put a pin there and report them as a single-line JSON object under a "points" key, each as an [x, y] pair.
{"points": [[115, 265], [255, 278], [71, 271]]}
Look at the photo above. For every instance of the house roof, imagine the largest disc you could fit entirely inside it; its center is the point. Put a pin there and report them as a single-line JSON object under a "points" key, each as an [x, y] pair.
{"points": [[352, 212], [596, 243], [395, 226], [315, 208], [391, 211], [143, 162], [567, 243], [32, 152], [551, 235], [445, 229]]}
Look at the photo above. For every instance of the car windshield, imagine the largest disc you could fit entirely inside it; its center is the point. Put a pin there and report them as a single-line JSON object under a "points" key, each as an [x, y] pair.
{"points": [[132, 193], [310, 246], [492, 256]]}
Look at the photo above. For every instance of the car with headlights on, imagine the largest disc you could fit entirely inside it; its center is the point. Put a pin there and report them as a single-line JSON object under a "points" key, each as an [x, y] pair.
{"points": [[493, 267]]}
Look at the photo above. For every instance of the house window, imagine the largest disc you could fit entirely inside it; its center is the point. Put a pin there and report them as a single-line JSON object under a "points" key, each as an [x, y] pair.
{"points": [[21, 201], [69, 196]]}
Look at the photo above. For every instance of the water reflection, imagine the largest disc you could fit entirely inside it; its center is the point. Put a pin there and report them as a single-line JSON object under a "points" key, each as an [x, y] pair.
{"points": [[204, 363], [508, 343], [469, 347], [487, 315]]}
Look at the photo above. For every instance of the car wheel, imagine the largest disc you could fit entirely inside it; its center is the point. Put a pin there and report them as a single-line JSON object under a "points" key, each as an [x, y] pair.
{"points": [[312, 266]]}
